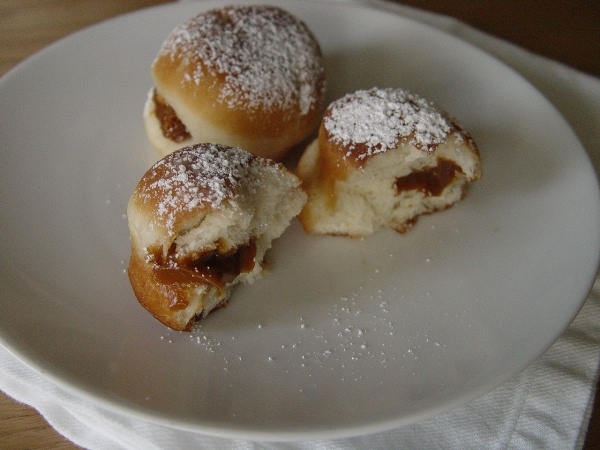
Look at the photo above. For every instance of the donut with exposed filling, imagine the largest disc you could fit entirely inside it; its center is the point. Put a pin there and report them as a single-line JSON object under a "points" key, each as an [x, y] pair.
{"points": [[201, 220], [383, 157], [244, 76]]}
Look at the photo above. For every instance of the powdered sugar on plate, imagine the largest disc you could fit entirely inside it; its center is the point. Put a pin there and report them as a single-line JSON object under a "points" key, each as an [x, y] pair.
{"points": [[266, 56], [373, 121]]}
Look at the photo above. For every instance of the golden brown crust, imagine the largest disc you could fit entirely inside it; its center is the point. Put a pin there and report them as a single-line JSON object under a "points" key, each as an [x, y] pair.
{"points": [[156, 296], [252, 73], [252, 124]]}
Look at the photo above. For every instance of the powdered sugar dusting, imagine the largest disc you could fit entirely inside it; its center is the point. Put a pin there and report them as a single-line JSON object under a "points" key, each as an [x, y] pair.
{"points": [[266, 56], [199, 176], [375, 120]]}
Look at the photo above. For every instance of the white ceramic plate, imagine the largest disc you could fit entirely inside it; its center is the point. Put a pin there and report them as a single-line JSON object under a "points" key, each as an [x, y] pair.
{"points": [[343, 336]]}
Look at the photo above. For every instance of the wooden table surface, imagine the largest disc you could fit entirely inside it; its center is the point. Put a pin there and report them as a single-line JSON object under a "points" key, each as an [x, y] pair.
{"points": [[567, 31]]}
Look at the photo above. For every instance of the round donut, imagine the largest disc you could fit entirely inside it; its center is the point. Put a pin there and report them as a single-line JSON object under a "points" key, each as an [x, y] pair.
{"points": [[244, 76], [383, 157]]}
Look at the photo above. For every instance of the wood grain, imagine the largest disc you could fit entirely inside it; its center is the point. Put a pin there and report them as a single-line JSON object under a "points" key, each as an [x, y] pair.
{"points": [[567, 31]]}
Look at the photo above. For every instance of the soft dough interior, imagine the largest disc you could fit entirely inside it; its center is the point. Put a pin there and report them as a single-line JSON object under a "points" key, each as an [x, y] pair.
{"points": [[368, 198]]}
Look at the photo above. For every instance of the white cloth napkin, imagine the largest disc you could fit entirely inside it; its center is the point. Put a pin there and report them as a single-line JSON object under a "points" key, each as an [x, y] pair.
{"points": [[546, 406]]}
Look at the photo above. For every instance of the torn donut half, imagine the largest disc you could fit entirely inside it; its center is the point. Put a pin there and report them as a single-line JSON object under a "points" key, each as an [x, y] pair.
{"points": [[383, 157], [201, 220]]}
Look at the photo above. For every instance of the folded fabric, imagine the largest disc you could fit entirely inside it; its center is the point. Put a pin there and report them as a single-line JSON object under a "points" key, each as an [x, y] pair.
{"points": [[545, 406]]}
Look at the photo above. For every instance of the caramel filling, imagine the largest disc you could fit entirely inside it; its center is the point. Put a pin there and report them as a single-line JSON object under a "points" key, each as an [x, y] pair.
{"points": [[430, 181], [172, 128], [211, 267]]}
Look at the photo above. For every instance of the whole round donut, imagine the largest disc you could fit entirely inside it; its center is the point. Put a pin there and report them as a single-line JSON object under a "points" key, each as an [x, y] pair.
{"points": [[245, 76]]}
